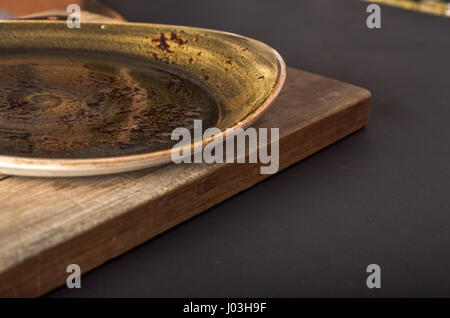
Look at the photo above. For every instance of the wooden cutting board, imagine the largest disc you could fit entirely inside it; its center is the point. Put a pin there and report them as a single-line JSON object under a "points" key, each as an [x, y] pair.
{"points": [[47, 224]]}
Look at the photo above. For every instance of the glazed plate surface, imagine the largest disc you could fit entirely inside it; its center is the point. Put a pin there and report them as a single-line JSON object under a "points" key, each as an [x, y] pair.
{"points": [[106, 98]]}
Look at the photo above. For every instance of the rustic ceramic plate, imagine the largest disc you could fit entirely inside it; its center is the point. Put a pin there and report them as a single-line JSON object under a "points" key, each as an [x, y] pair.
{"points": [[105, 98]]}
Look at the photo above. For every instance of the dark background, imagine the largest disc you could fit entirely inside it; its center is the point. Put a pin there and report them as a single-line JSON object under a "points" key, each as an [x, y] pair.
{"points": [[380, 196]]}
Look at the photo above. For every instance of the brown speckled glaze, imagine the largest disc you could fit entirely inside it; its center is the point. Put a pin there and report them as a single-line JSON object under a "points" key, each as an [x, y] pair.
{"points": [[82, 106], [105, 98]]}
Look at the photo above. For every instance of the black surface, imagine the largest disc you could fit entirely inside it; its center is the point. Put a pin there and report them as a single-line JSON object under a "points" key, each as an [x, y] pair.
{"points": [[379, 196]]}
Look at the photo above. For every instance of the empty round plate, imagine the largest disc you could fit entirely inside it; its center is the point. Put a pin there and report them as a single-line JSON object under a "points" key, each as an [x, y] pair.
{"points": [[106, 98]]}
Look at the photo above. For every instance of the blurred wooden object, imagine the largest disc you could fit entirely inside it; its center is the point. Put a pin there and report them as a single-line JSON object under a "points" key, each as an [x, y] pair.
{"points": [[21, 8]]}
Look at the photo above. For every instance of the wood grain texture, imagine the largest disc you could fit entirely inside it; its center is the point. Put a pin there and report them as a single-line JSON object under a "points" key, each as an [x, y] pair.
{"points": [[46, 224]]}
